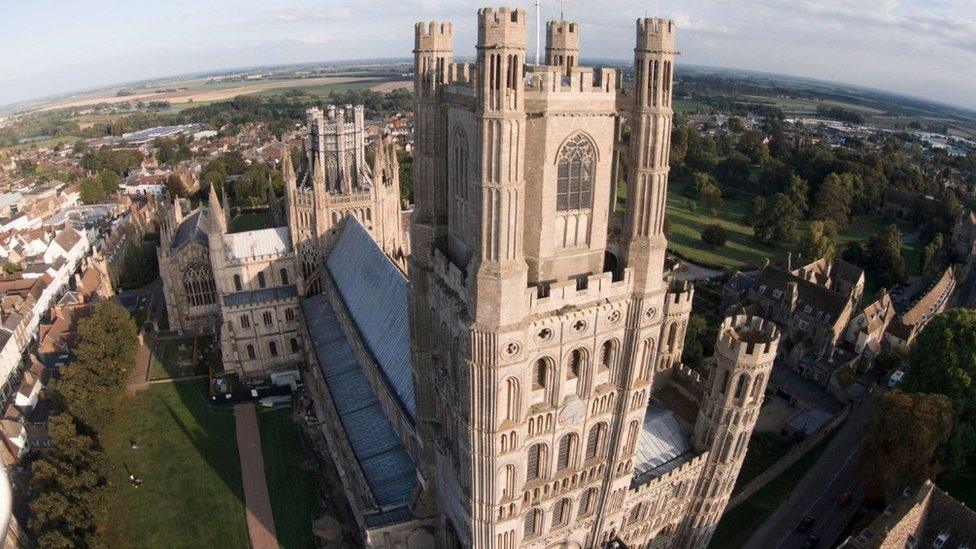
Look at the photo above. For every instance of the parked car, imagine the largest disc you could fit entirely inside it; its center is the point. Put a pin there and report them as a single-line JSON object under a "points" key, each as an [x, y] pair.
{"points": [[806, 523], [811, 542], [895, 378], [845, 498]]}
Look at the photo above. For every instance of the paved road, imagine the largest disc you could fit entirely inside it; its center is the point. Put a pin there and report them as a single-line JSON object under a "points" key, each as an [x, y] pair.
{"points": [[816, 494]]}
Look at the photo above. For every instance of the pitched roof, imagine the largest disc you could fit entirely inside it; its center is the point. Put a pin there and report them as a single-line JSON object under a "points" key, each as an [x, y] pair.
{"points": [[935, 296], [259, 243], [67, 238], [809, 294], [375, 293], [386, 465], [196, 226]]}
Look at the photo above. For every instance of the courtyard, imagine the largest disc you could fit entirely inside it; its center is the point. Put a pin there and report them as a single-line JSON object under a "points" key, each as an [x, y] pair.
{"points": [[185, 452]]}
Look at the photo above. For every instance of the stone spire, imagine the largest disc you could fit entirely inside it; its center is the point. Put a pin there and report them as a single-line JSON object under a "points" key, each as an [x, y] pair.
{"points": [[218, 220]]}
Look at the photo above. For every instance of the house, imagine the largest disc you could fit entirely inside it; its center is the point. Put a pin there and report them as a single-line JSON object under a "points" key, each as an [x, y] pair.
{"points": [[812, 303], [963, 238], [866, 331], [905, 328], [926, 517]]}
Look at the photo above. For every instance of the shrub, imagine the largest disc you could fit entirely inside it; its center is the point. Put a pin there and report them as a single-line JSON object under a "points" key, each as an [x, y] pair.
{"points": [[714, 235]]}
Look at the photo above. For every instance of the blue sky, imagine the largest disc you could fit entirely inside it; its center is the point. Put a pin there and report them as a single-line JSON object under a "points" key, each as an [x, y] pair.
{"points": [[925, 48]]}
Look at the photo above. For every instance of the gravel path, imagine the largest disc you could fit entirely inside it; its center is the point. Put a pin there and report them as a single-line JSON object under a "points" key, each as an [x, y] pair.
{"points": [[260, 520]]}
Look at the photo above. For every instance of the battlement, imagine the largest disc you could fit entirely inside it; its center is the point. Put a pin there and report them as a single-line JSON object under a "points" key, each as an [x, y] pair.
{"points": [[562, 35], [680, 292], [744, 335], [572, 293], [655, 34], [433, 36], [335, 118], [546, 80], [501, 27]]}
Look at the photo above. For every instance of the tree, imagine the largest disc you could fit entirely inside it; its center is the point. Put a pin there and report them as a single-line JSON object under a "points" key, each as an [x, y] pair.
{"points": [[900, 441], [751, 144], [104, 355], [714, 235], [776, 221], [174, 186], [833, 201], [820, 240], [884, 256], [67, 485], [91, 190], [943, 361], [736, 125], [679, 145], [79, 146], [109, 181], [798, 190], [710, 196], [699, 341]]}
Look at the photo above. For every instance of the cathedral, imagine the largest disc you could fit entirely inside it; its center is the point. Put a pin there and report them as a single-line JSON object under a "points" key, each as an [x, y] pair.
{"points": [[246, 286], [512, 377]]}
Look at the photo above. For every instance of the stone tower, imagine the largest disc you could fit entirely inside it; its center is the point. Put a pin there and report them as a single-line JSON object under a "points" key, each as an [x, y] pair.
{"points": [[650, 146], [535, 351], [744, 350], [338, 183], [562, 44]]}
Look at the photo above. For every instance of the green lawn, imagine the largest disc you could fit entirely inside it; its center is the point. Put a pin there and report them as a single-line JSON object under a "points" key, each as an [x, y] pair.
{"points": [[249, 221], [191, 494], [173, 357], [687, 219], [742, 250], [740, 523], [764, 450], [290, 482]]}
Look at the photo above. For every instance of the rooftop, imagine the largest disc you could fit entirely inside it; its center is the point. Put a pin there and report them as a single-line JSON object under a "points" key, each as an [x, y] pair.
{"points": [[386, 465], [663, 445], [375, 293]]}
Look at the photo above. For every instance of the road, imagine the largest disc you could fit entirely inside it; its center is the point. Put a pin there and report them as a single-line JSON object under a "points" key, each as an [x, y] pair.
{"points": [[816, 494]]}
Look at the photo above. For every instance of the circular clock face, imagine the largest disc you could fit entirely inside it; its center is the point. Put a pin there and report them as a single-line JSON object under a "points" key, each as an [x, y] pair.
{"points": [[573, 410]]}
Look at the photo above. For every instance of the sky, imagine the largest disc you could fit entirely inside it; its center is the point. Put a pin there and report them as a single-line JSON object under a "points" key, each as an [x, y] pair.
{"points": [[923, 48]]}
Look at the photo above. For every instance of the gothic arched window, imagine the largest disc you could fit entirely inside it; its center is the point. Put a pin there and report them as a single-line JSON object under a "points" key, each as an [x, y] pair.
{"points": [[273, 348], [198, 284], [458, 178], [237, 283], [594, 441], [294, 345], [586, 502], [567, 451], [284, 276], [261, 281], [533, 523], [574, 182], [535, 467], [250, 352]]}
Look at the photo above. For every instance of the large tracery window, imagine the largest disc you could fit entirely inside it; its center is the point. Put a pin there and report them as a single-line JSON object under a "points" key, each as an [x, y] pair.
{"points": [[574, 181], [198, 284]]}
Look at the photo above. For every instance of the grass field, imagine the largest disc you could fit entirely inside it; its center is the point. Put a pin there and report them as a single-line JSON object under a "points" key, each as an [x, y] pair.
{"points": [[738, 525], [249, 221], [324, 90], [173, 357], [191, 494], [290, 484], [687, 219]]}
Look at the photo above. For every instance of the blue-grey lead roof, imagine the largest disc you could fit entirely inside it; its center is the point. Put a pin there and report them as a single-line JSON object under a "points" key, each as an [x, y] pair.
{"points": [[262, 295], [196, 225], [386, 465], [664, 443], [375, 293]]}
